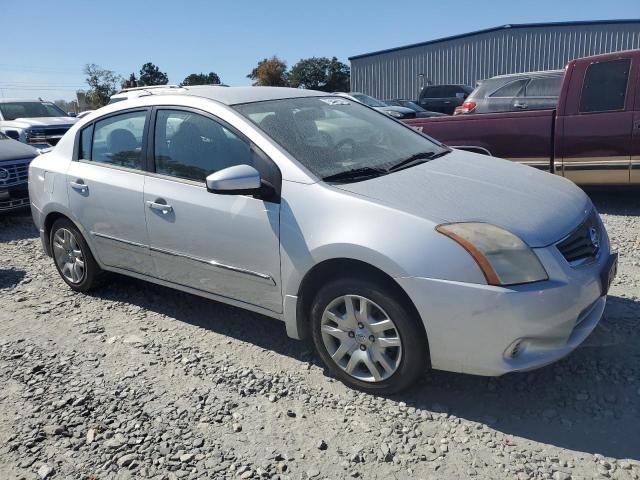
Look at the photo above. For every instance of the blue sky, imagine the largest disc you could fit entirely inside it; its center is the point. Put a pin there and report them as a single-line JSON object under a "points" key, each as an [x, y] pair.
{"points": [[43, 53]]}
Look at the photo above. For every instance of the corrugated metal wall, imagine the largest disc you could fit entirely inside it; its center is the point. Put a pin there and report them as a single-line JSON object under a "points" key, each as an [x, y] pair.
{"points": [[402, 73]]}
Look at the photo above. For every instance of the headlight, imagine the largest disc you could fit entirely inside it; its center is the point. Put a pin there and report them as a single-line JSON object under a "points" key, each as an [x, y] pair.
{"points": [[395, 114], [503, 258]]}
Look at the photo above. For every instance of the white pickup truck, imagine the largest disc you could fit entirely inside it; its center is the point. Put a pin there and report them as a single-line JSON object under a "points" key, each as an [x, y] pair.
{"points": [[37, 123]]}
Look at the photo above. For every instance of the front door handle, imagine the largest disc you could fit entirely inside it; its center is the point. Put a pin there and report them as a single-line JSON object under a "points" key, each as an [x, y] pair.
{"points": [[80, 186], [161, 207], [522, 106]]}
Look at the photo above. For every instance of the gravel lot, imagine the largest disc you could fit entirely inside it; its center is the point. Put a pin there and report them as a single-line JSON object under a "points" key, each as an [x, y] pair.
{"points": [[139, 381]]}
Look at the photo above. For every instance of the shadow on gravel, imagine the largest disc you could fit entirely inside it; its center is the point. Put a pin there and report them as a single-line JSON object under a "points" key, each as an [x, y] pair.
{"points": [[17, 226], [583, 403], [10, 278], [587, 402], [616, 201]]}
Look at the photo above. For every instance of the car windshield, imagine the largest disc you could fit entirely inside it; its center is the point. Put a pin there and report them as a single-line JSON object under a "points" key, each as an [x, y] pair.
{"points": [[369, 101], [333, 135], [13, 110]]}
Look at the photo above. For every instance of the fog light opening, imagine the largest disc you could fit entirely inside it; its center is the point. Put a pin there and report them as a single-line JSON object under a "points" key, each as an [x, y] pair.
{"points": [[515, 349]]}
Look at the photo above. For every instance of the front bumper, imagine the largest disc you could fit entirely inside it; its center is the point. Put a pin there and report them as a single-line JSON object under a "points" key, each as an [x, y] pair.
{"points": [[14, 197], [489, 330]]}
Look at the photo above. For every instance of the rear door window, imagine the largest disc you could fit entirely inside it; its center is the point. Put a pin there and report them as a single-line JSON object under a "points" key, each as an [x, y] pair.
{"points": [[605, 86], [544, 87], [512, 89], [118, 140]]}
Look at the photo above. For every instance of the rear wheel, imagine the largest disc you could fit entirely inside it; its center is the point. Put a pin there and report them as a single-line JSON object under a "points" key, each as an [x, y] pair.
{"points": [[367, 336], [72, 257]]}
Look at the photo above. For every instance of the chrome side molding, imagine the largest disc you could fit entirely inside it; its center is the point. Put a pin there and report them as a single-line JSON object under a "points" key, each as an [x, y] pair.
{"points": [[212, 263]]}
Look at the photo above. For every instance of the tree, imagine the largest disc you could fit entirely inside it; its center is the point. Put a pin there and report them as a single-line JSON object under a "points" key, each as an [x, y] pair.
{"points": [[338, 76], [210, 78], [151, 75], [270, 72], [309, 73], [102, 84], [131, 83], [320, 74]]}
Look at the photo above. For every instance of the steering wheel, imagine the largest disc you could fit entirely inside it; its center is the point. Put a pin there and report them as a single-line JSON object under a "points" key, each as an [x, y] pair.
{"points": [[345, 147]]}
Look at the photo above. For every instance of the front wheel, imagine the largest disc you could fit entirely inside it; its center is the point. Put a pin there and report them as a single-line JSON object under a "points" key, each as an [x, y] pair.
{"points": [[72, 257], [368, 337]]}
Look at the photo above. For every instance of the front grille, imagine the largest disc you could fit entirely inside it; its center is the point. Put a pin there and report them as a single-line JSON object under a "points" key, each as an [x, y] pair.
{"points": [[50, 135], [14, 172], [582, 245], [13, 203]]}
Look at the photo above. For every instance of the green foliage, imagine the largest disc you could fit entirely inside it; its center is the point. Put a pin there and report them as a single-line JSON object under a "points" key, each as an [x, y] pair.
{"points": [[210, 78], [102, 84], [270, 72], [320, 74], [151, 75]]}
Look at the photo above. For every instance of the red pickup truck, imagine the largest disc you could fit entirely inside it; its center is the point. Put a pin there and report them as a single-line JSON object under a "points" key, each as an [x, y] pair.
{"points": [[592, 137]]}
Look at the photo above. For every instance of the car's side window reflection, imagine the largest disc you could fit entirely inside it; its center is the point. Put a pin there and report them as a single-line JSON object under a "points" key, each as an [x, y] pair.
{"points": [[118, 140], [191, 146]]}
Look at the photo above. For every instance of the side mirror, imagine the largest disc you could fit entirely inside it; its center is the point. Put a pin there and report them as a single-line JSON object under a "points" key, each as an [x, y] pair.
{"points": [[72, 114], [237, 180]]}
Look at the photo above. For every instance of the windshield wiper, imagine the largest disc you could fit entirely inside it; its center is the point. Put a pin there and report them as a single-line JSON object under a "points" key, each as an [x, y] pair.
{"points": [[417, 159], [355, 174]]}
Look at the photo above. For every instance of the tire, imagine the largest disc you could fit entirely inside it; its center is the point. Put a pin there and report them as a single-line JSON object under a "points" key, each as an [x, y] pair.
{"points": [[331, 324], [79, 279]]}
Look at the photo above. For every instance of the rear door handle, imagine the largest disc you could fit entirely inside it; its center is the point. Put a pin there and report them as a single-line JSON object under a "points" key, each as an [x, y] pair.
{"points": [[520, 105], [161, 207], [80, 186]]}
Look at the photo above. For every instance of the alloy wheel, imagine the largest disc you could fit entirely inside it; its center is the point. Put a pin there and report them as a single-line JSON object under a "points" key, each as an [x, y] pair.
{"points": [[361, 338], [68, 255]]}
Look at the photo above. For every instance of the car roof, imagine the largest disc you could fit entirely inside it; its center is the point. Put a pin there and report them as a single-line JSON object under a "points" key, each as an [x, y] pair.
{"points": [[11, 100], [540, 73], [237, 95]]}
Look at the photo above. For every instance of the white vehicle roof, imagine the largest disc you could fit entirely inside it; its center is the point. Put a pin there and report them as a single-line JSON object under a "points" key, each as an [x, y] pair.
{"points": [[229, 95]]}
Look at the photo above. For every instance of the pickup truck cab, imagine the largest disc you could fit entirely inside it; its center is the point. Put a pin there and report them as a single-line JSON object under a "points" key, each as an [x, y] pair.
{"points": [[592, 137]]}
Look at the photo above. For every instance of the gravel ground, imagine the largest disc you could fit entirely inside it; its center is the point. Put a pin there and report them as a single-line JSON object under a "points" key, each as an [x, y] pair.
{"points": [[139, 381]]}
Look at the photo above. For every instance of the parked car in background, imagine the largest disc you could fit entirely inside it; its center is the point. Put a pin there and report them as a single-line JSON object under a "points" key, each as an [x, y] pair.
{"points": [[14, 168], [401, 113], [592, 138], [420, 112], [232, 195], [35, 122], [518, 91], [443, 98]]}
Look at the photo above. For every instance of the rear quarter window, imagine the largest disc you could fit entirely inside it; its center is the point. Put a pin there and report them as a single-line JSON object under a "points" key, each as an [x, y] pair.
{"points": [[605, 86]]}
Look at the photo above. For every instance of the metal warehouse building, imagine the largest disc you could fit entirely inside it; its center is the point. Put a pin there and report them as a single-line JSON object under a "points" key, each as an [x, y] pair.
{"points": [[464, 59]]}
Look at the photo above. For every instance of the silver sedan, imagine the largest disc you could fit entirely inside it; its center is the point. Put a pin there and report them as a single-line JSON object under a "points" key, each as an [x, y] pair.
{"points": [[393, 252]]}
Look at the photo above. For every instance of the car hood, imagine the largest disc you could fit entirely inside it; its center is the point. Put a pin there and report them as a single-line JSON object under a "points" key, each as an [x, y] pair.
{"points": [[44, 122], [14, 150], [538, 207]]}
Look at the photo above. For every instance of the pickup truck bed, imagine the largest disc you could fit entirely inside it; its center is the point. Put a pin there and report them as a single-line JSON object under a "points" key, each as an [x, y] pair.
{"points": [[503, 135]]}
